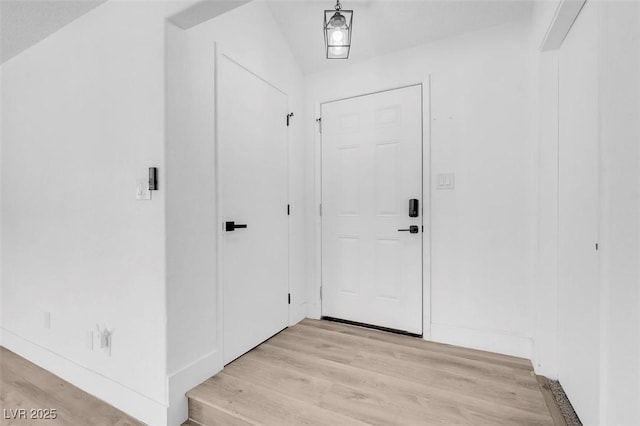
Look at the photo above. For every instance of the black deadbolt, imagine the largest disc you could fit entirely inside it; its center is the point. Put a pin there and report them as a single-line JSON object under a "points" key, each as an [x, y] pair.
{"points": [[414, 207]]}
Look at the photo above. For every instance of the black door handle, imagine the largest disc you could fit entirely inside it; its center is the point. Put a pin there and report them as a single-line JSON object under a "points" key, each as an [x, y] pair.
{"points": [[413, 229], [232, 226]]}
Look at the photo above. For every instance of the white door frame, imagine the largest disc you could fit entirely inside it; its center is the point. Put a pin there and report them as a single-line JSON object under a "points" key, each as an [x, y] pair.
{"points": [[219, 155], [426, 200]]}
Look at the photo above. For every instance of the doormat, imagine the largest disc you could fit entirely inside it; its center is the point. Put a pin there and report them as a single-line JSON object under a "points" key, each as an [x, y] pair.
{"points": [[569, 414]]}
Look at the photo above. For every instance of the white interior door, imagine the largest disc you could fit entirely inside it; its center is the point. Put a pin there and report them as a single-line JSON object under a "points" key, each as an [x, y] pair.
{"points": [[371, 168], [254, 182], [579, 295]]}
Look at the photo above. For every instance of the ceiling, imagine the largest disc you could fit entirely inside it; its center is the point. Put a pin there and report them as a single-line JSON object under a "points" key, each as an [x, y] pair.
{"points": [[383, 26], [379, 26], [24, 23]]}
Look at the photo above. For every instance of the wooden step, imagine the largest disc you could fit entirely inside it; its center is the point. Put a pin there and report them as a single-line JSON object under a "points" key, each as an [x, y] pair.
{"points": [[205, 413], [217, 402], [319, 373]]}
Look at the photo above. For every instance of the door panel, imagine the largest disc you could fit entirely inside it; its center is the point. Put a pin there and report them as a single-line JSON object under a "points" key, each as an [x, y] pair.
{"points": [[253, 149], [371, 167], [579, 306]]}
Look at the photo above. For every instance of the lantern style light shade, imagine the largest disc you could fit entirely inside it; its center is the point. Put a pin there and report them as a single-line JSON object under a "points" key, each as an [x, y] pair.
{"points": [[337, 32]]}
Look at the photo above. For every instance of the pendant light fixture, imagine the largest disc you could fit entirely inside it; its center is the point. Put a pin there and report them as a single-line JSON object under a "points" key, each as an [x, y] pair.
{"points": [[337, 32]]}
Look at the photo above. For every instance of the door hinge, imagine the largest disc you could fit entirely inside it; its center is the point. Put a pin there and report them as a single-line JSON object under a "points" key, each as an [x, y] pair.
{"points": [[596, 246], [320, 209], [320, 292], [319, 121], [288, 209], [289, 298], [289, 118]]}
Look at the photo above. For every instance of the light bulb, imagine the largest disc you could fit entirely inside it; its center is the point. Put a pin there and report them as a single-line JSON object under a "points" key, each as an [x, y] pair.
{"points": [[337, 37]]}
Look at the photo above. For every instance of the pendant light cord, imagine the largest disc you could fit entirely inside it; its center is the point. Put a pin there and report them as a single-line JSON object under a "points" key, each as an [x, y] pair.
{"points": [[338, 5]]}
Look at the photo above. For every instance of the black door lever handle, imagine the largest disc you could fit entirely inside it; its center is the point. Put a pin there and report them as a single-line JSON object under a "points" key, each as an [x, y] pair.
{"points": [[413, 229], [231, 226]]}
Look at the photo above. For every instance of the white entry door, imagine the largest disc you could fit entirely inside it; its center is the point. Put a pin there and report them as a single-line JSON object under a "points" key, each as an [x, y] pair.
{"points": [[371, 169], [254, 181]]}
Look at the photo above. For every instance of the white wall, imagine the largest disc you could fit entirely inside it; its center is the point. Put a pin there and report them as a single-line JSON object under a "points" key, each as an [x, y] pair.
{"points": [[619, 48], [482, 233], [545, 132], [545, 330], [83, 117], [82, 120], [250, 36], [618, 329], [192, 303], [579, 334]]}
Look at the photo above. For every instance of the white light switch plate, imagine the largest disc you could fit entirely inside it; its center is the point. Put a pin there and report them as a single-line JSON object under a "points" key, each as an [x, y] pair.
{"points": [[445, 181], [142, 190]]}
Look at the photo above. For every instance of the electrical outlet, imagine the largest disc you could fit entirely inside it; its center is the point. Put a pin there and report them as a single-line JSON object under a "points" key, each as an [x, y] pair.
{"points": [[103, 337], [47, 320]]}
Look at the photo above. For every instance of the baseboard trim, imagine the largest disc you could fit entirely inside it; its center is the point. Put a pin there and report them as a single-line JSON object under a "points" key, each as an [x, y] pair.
{"points": [[123, 398], [297, 313], [187, 378], [492, 341]]}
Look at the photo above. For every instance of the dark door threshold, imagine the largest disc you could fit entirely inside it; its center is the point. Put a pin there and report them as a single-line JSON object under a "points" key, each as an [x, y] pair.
{"points": [[375, 327]]}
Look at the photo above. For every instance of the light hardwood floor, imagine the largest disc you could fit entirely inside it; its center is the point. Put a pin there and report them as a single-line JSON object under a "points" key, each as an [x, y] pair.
{"points": [[325, 373], [24, 385]]}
